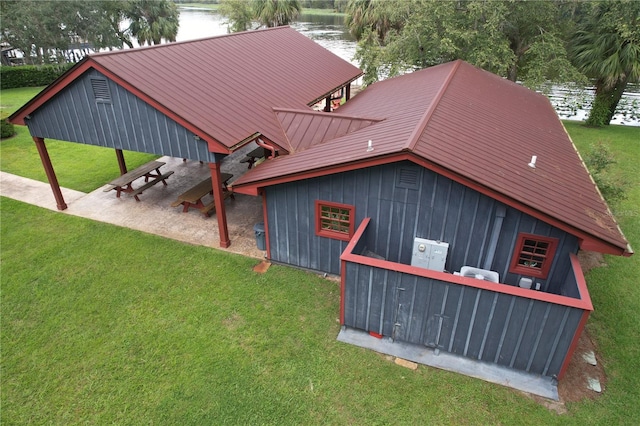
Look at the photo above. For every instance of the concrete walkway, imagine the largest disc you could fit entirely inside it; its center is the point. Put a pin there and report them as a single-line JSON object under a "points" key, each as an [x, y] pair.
{"points": [[153, 214]]}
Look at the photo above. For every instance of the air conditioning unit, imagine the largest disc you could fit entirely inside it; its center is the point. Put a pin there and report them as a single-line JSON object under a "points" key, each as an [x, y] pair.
{"points": [[429, 254], [480, 274]]}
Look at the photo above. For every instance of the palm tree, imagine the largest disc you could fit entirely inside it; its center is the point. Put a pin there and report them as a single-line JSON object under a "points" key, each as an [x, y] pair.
{"points": [[238, 13], [153, 20], [606, 47], [274, 13]]}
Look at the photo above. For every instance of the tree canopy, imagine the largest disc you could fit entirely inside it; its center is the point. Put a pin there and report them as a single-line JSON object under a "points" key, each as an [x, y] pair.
{"points": [[522, 41], [241, 14], [55, 31]]}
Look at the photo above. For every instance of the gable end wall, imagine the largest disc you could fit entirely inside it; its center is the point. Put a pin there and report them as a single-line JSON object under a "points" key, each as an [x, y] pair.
{"points": [[126, 122]]}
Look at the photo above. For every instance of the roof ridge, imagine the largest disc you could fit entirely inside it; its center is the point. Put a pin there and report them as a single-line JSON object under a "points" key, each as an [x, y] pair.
{"points": [[327, 114], [182, 42], [422, 125]]}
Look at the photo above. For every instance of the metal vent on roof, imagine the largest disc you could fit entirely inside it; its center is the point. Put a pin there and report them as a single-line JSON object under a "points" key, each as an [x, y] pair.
{"points": [[101, 90], [407, 177]]}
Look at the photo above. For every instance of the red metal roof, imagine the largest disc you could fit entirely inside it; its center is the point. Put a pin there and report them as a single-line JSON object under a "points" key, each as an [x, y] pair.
{"points": [[307, 128], [223, 88], [475, 127]]}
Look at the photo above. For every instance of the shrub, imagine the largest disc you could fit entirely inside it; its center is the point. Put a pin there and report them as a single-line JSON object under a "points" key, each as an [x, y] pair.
{"points": [[6, 129], [30, 75], [598, 160]]}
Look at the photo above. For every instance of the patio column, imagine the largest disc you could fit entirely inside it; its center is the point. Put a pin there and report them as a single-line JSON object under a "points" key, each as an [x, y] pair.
{"points": [[121, 162], [51, 175], [327, 104], [218, 197]]}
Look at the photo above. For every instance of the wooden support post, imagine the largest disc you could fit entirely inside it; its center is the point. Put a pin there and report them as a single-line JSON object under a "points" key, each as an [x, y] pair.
{"points": [[121, 163], [218, 195], [327, 104], [347, 95], [51, 175]]}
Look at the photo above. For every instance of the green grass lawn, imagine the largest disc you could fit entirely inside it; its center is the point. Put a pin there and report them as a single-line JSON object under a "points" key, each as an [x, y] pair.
{"points": [[77, 166], [102, 324]]}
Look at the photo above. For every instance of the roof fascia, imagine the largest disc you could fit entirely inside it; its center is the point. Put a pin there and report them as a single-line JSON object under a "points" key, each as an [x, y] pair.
{"points": [[419, 129], [586, 240]]}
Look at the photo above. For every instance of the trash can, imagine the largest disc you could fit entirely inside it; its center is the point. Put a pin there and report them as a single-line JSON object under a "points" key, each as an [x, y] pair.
{"points": [[261, 240]]}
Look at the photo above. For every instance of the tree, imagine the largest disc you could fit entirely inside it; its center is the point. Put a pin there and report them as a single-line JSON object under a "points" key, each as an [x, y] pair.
{"points": [[519, 40], [606, 47], [153, 20], [241, 14], [47, 31], [274, 13], [377, 16], [238, 13]]}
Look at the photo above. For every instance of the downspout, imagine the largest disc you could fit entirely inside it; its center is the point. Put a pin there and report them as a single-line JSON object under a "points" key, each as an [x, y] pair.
{"points": [[264, 145]]}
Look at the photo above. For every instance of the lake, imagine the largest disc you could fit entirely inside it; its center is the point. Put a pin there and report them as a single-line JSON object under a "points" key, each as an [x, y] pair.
{"points": [[330, 32]]}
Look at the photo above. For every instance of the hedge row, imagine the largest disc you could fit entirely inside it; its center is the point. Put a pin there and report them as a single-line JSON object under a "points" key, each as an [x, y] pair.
{"points": [[30, 75]]}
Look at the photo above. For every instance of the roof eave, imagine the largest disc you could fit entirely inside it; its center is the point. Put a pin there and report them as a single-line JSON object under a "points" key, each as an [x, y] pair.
{"points": [[324, 96], [587, 241]]}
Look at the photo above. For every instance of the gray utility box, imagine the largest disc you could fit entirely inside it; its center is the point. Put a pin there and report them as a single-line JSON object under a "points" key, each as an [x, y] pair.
{"points": [[429, 254]]}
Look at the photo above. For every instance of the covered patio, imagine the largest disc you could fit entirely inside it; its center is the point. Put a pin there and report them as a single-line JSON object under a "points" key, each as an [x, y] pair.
{"points": [[154, 214]]}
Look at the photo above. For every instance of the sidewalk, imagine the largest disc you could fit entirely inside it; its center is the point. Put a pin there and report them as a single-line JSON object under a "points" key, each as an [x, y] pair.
{"points": [[153, 214]]}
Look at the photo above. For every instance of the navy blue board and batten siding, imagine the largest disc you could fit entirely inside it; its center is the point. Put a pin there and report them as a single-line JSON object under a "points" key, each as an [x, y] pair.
{"points": [[432, 206], [97, 111], [504, 329]]}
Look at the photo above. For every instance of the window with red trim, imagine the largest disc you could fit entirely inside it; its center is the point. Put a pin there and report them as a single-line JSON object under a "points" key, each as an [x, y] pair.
{"points": [[533, 255], [335, 220]]}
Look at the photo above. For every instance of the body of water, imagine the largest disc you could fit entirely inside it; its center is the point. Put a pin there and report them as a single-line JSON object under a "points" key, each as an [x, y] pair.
{"points": [[330, 32]]}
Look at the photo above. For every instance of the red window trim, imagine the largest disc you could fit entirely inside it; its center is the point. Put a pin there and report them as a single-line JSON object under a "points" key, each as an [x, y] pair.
{"points": [[543, 272], [338, 235]]}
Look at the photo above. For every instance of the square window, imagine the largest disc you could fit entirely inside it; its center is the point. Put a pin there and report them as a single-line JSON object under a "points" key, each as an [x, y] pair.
{"points": [[335, 220], [533, 255]]}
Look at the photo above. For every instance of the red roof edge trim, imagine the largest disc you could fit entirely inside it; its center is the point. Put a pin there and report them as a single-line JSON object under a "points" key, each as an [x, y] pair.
{"points": [[195, 40], [629, 251], [417, 132], [587, 241], [211, 141], [49, 92], [253, 188]]}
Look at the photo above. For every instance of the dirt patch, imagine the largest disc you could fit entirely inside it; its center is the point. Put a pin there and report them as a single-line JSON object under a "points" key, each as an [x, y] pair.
{"points": [[590, 259], [574, 385]]}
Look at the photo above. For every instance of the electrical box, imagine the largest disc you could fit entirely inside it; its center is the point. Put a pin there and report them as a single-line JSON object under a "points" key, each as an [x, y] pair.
{"points": [[429, 254]]}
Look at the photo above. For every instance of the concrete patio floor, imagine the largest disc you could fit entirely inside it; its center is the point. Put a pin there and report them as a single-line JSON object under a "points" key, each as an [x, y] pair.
{"points": [[154, 214]]}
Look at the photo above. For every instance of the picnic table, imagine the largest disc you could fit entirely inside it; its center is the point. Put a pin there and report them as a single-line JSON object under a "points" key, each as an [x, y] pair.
{"points": [[254, 155], [193, 196], [150, 170]]}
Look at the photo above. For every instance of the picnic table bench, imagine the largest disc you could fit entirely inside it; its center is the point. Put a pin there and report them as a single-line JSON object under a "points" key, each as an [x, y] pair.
{"points": [[193, 196], [254, 155], [150, 170]]}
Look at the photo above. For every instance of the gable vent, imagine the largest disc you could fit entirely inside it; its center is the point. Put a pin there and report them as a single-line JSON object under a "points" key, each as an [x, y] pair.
{"points": [[407, 177], [101, 90]]}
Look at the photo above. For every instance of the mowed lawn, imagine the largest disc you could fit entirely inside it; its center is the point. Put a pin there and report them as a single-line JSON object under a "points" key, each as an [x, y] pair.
{"points": [[101, 324]]}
